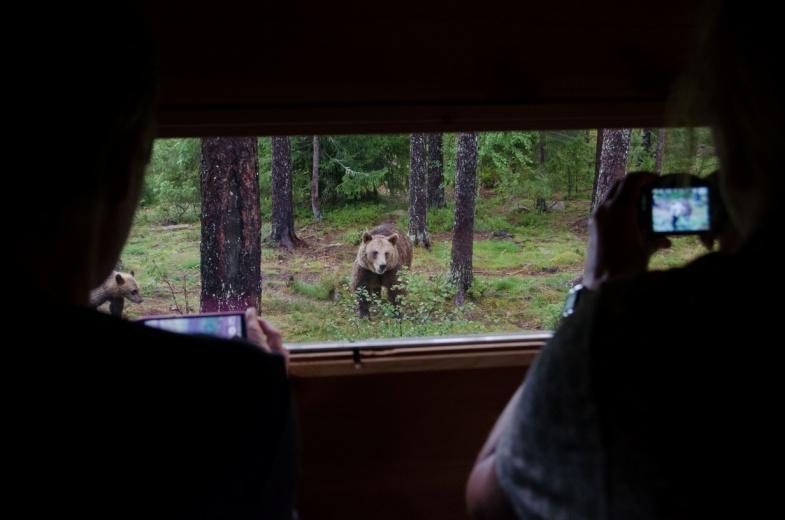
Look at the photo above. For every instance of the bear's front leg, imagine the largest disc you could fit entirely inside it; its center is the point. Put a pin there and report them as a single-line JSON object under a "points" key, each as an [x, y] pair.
{"points": [[364, 297], [363, 302]]}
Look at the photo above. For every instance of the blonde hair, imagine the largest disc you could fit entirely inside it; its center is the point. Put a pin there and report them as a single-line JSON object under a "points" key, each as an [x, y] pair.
{"points": [[734, 84]]}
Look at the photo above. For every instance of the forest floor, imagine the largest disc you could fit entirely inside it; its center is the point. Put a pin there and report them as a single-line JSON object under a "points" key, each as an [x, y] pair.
{"points": [[520, 281]]}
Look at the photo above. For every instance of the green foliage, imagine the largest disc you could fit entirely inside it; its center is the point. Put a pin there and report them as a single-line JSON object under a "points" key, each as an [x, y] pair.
{"points": [[639, 158], [567, 258], [350, 167], [490, 223], [569, 164], [525, 219], [425, 308], [689, 150], [351, 236], [172, 181], [357, 184], [505, 160], [441, 220], [519, 282], [504, 284], [449, 142], [479, 289], [363, 215], [509, 163], [353, 219], [264, 150], [324, 289], [367, 167]]}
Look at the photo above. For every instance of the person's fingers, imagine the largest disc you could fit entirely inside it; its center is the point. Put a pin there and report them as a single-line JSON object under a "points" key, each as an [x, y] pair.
{"points": [[624, 195], [250, 315], [656, 243], [274, 340], [274, 336], [707, 239], [254, 331]]}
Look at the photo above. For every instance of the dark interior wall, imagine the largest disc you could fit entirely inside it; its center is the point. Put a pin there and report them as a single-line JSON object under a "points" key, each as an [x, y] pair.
{"points": [[308, 66], [395, 445]]}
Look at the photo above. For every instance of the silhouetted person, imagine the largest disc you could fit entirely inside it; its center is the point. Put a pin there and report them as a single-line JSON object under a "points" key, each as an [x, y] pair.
{"points": [[659, 396], [109, 418]]}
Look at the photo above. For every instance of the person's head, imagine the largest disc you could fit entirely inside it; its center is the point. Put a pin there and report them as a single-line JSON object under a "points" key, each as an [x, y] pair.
{"points": [[75, 204], [739, 87]]}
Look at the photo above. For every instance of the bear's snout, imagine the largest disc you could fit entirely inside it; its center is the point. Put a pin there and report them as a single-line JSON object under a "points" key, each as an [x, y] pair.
{"points": [[382, 267]]}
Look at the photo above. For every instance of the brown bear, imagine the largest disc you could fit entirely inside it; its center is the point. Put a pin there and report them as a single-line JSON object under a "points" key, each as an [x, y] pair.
{"points": [[114, 290], [382, 253]]}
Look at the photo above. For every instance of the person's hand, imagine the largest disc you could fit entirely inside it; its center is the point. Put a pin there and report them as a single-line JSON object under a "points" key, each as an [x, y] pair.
{"points": [[708, 239], [617, 246], [261, 333], [727, 238], [723, 230]]}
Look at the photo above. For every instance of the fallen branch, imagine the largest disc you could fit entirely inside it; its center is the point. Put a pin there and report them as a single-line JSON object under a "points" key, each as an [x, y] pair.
{"points": [[174, 299], [185, 293], [173, 227]]}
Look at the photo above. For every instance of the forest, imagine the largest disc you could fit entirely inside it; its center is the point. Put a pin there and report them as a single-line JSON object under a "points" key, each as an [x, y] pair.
{"points": [[498, 221]]}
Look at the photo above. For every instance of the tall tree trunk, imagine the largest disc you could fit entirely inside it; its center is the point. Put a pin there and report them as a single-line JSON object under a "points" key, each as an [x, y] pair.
{"points": [[282, 233], [231, 225], [589, 164], [317, 214], [463, 229], [418, 192], [541, 149], [660, 151], [612, 164], [646, 140], [692, 150], [597, 156], [435, 172]]}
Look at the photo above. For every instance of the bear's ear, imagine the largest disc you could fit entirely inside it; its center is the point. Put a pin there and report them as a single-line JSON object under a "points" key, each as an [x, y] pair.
{"points": [[132, 274], [119, 279], [367, 237], [393, 238]]}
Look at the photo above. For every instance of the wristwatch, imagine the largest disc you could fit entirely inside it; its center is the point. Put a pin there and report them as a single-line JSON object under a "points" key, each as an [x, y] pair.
{"points": [[573, 297]]}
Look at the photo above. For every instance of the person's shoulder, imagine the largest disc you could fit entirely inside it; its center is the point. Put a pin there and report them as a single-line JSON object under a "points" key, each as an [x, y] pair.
{"points": [[661, 290]]}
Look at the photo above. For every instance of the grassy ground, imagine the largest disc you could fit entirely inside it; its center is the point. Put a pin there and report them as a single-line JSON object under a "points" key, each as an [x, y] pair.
{"points": [[520, 282]]}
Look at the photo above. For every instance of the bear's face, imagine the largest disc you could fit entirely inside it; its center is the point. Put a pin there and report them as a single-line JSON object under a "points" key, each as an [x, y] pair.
{"points": [[380, 254], [127, 286]]}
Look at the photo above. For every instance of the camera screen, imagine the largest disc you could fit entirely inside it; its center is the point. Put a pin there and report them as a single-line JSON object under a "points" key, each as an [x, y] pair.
{"points": [[680, 210], [229, 326]]}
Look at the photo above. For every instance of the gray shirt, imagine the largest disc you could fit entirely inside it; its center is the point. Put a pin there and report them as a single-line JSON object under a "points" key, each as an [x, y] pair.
{"points": [[550, 461], [657, 398]]}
